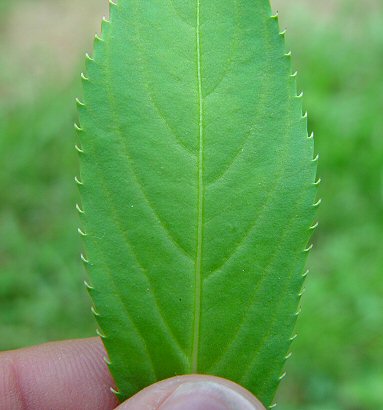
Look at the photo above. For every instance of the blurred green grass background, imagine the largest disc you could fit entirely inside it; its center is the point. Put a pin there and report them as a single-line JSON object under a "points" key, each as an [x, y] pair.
{"points": [[337, 360]]}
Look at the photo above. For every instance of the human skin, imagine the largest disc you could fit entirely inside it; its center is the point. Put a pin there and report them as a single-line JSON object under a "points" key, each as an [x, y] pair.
{"points": [[72, 375]]}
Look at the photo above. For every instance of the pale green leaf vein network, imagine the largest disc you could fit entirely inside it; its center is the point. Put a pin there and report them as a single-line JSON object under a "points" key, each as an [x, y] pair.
{"points": [[258, 288], [148, 202], [163, 321], [157, 108], [261, 343], [237, 156], [122, 140], [198, 261], [153, 101], [116, 218], [233, 50], [244, 239], [179, 15]]}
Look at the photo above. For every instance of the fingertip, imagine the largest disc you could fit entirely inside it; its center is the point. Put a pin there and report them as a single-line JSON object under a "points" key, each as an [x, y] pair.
{"points": [[193, 392]]}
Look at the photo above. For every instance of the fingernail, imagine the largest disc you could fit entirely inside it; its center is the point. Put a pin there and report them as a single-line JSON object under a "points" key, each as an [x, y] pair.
{"points": [[206, 395]]}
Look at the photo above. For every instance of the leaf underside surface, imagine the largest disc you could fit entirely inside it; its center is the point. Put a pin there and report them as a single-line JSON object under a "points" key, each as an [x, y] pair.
{"points": [[198, 189]]}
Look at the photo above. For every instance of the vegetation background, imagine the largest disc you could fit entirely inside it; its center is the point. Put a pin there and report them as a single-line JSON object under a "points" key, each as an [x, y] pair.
{"points": [[338, 47]]}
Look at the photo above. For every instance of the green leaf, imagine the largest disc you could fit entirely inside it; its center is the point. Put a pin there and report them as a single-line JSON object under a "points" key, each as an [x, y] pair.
{"points": [[197, 185]]}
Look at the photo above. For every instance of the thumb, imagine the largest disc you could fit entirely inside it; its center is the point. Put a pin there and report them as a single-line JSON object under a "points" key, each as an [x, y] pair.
{"points": [[193, 392]]}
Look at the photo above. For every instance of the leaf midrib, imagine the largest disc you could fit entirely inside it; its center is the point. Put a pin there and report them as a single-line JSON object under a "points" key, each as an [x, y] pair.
{"points": [[200, 204]]}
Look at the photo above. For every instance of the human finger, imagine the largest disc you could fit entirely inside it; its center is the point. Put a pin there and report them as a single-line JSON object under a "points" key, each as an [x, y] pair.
{"points": [[67, 375]]}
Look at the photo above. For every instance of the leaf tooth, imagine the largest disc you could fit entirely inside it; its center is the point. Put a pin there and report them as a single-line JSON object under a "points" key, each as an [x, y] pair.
{"points": [[89, 287], [311, 136], [283, 32], [308, 249], [78, 182], [275, 16], [83, 258], [273, 406], [77, 127], [317, 203], [105, 23], [78, 149], [79, 103], [282, 376], [292, 338], [304, 116], [98, 38], [84, 77], [94, 312], [79, 209], [299, 95], [117, 393], [316, 158], [81, 232], [287, 357], [300, 294], [288, 54], [112, 3], [298, 312], [294, 74], [88, 57], [316, 183], [100, 334], [306, 273], [313, 227], [106, 360]]}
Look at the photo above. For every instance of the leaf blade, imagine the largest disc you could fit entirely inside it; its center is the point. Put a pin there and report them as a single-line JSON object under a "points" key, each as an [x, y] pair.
{"points": [[198, 185]]}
